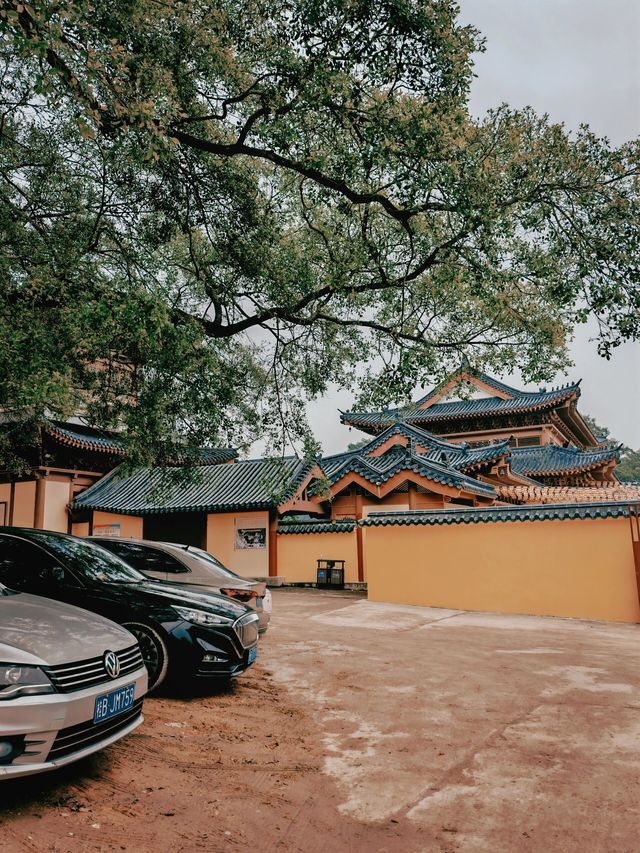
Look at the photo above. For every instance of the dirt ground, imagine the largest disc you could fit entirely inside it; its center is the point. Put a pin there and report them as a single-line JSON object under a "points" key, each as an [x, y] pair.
{"points": [[369, 727]]}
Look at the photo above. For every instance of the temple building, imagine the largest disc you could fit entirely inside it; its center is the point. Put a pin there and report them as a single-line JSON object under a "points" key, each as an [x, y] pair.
{"points": [[59, 461], [549, 441], [469, 445]]}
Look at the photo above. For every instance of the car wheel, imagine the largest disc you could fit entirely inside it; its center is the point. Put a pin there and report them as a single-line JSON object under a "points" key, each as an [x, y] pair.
{"points": [[154, 651]]}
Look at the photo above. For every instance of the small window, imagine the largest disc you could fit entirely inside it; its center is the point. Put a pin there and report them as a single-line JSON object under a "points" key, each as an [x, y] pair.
{"points": [[529, 441]]}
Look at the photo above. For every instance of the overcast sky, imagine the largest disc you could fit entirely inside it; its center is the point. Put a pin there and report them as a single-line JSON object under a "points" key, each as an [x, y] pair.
{"points": [[578, 61]]}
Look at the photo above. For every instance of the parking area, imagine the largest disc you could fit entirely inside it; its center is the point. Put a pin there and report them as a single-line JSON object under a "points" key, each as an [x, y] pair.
{"points": [[371, 727]]}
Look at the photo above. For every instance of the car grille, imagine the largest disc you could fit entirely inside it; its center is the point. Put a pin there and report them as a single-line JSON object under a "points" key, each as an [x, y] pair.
{"points": [[86, 673], [75, 738], [247, 629]]}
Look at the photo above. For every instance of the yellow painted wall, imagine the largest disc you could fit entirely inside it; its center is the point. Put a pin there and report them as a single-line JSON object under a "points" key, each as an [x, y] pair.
{"points": [[81, 528], [221, 542], [56, 498], [130, 525], [579, 568], [298, 553], [25, 497]]}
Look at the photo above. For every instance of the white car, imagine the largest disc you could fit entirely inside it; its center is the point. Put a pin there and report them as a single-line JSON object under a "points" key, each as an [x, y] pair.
{"points": [[71, 683]]}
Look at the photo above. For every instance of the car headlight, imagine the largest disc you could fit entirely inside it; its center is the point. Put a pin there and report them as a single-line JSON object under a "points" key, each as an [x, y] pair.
{"points": [[202, 617], [18, 680]]}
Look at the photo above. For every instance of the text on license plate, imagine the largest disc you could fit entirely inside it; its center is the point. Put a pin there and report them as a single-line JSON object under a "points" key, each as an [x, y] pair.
{"points": [[113, 703], [253, 654]]}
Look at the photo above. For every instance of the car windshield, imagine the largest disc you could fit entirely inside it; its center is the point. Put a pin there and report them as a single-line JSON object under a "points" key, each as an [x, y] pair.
{"points": [[209, 558], [90, 561]]}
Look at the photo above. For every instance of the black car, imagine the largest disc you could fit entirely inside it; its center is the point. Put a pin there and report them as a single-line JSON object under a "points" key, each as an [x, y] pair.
{"points": [[181, 632]]}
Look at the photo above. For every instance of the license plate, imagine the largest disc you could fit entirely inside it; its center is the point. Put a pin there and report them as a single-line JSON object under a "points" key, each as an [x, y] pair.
{"points": [[113, 703], [253, 654]]}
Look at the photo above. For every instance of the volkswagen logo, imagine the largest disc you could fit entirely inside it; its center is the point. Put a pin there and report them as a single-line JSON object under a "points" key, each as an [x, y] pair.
{"points": [[112, 664]]}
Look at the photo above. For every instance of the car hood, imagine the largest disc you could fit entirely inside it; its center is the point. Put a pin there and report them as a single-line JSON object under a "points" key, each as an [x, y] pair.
{"points": [[40, 631], [202, 598]]}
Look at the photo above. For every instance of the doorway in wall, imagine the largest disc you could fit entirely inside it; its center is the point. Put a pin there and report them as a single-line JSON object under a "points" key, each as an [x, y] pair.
{"points": [[185, 528]]}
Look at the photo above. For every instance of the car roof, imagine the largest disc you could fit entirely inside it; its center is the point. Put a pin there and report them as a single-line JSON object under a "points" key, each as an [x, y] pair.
{"points": [[28, 532], [151, 543], [171, 547], [36, 535]]}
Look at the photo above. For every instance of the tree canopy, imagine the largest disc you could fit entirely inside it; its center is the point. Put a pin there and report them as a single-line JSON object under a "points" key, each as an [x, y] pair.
{"points": [[209, 210]]}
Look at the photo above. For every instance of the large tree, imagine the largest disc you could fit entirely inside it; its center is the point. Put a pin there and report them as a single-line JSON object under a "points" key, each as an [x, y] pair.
{"points": [[210, 209]]}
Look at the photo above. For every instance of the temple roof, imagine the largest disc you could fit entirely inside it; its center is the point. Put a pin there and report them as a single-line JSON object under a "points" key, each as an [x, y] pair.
{"points": [[251, 485], [343, 525], [425, 445], [421, 448], [484, 378], [379, 469], [536, 493], [83, 437], [522, 401], [551, 459]]}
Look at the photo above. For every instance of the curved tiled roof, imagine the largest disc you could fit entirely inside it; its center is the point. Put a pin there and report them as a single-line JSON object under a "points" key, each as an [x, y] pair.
{"points": [[525, 401], [379, 469], [256, 484], [342, 526], [539, 494], [483, 377], [551, 459], [84, 437], [451, 454], [419, 436], [476, 515], [469, 459]]}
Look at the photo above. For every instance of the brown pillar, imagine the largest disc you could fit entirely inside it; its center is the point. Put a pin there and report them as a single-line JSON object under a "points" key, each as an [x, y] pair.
{"points": [[359, 548], [273, 544], [634, 522], [13, 501], [38, 512], [412, 492]]}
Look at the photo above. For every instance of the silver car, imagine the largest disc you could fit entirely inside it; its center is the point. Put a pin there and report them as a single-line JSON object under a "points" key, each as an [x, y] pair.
{"points": [[71, 683], [169, 561]]}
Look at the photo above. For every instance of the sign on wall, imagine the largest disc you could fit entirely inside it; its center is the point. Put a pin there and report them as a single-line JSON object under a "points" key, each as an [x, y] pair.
{"points": [[106, 530], [251, 537]]}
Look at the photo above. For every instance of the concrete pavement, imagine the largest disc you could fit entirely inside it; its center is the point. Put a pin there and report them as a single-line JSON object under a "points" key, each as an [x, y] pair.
{"points": [[482, 732]]}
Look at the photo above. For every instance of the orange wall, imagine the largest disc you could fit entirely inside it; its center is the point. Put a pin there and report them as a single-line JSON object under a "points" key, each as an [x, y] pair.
{"points": [[221, 542], [5, 497], [130, 525], [298, 554], [579, 568], [25, 497], [56, 498]]}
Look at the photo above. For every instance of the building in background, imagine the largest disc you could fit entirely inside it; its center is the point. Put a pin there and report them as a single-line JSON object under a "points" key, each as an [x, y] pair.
{"points": [[470, 444]]}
